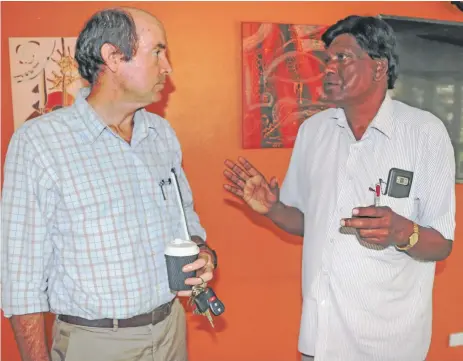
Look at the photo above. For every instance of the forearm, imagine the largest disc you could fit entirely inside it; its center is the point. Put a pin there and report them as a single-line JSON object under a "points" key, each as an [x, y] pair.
{"points": [[29, 331], [289, 219], [432, 246]]}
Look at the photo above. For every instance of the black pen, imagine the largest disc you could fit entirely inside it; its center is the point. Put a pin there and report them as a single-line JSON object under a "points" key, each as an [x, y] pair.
{"points": [[161, 184]]}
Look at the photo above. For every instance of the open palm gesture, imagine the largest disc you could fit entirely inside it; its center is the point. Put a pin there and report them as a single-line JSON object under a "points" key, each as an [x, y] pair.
{"points": [[251, 186]]}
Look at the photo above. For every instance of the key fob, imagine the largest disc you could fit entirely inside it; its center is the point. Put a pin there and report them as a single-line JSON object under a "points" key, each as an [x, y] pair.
{"points": [[217, 307], [201, 302]]}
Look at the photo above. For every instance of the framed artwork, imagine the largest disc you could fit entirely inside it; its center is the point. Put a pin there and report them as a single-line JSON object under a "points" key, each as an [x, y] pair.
{"points": [[44, 76], [430, 73], [282, 81], [282, 78]]}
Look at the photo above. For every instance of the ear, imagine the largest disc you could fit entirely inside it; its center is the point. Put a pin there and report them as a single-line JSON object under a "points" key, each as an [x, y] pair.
{"points": [[381, 69], [111, 56]]}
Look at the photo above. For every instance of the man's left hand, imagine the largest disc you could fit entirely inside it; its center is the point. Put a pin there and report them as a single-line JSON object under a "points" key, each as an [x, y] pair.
{"points": [[380, 226], [204, 272]]}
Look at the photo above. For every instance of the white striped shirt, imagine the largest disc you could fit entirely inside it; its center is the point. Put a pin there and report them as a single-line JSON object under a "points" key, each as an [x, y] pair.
{"points": [[361, 303], [85, 221]]}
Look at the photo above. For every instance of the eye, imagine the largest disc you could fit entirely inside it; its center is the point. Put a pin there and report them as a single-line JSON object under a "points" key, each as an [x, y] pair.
{"points": [[341, 57], [156, 52], [326, 59]]}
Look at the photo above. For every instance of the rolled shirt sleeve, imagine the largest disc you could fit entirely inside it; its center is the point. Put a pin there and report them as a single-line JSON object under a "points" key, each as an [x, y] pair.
{"points": [[28, 206]]}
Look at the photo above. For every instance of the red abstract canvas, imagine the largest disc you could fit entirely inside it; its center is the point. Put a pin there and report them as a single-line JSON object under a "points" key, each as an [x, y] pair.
{"points": [[282, 81]]}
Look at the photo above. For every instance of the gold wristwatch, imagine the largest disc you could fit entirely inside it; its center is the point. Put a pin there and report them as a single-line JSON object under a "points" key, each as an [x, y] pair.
{"points": [[412, 240]]}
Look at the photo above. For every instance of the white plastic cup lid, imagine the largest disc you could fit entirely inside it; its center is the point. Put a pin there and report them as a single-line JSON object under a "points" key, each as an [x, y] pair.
{"points": [[181, 248]]}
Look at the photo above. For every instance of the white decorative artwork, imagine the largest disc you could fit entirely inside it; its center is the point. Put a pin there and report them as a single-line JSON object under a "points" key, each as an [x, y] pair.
{"points": [[44, 76]]}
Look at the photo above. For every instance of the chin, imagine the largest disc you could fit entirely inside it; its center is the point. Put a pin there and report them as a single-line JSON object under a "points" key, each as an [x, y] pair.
{"points": [[153, 98], [337, 98], [333, 98], [156, 98]]}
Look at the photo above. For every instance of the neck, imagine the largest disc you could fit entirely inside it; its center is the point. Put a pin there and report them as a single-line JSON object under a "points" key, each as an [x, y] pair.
{"points": [[111, 107], [360, 114]]}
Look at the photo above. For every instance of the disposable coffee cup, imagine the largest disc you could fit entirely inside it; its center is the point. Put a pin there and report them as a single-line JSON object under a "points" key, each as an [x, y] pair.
{"points": [[179, 253]]}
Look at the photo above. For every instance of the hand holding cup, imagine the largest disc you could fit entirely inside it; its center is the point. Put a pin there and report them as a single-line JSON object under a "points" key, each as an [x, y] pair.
{"points": [[186, 266]]}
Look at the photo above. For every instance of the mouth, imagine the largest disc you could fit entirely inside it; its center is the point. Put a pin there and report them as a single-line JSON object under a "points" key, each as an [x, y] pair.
{"points": [[331, 85]]}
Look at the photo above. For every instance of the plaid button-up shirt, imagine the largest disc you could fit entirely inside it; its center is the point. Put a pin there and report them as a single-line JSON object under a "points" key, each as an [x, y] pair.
{"points": [[85, 220]]}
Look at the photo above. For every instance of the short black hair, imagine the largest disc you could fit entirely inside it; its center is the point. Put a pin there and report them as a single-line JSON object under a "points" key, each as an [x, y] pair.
{"points": [[110, 26], [374, 35]]}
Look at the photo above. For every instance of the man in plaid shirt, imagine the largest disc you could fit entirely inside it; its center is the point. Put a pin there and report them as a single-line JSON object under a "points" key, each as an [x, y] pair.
{"points": [[88, 212]]}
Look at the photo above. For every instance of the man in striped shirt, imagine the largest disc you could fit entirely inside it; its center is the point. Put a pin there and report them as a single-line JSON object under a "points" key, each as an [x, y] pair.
{"points": [[368, 271], [88, 209]]}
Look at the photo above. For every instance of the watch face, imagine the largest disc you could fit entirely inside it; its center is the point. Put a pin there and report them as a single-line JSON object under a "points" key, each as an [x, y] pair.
{"points": [[413, 239]]}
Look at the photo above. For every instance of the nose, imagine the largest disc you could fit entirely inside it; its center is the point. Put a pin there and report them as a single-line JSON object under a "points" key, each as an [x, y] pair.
{"points": [[166, 67], [331, 64], [330, 67], [329, 70]]}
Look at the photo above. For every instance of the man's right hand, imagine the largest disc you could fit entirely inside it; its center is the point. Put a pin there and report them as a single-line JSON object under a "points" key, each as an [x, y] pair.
{"points": [[251, 186], [262, 196]]}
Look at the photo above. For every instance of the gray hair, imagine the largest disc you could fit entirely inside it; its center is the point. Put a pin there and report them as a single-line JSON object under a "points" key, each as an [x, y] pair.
{"points": [[111, 26]]}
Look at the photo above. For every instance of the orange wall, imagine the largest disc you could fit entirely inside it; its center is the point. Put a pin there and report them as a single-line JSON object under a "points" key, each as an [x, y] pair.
{"points": [[259, 275]]}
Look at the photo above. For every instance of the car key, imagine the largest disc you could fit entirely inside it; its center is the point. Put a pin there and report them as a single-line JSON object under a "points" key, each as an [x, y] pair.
{"points": [[202, 306], [217, 307]]}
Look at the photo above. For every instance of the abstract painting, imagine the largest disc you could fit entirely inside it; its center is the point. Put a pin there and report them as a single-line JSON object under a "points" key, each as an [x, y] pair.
{"points": [[44, 76], [282, 81]]}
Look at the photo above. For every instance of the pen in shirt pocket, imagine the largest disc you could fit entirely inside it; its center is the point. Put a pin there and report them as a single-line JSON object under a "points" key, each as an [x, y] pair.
{"points": [[378, 195], [377, 192]]}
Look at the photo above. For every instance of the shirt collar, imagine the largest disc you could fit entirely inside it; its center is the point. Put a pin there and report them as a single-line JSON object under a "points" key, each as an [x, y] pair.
{"points": [[90, 118], [383, 120], [95, 124]]}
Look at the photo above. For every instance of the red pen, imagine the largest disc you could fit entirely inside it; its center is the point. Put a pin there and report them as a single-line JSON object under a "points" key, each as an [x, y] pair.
{"points": [[378, 195]]}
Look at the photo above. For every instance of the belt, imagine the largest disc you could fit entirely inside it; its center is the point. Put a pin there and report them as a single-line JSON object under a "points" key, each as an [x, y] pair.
{"points": [[151, 318]]}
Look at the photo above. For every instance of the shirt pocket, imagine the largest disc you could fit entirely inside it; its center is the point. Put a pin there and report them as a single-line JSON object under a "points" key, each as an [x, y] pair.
{"points": [[405, 207], [174, 207], [166, 212]]}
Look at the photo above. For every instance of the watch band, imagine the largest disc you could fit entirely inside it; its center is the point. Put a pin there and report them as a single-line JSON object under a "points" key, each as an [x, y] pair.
{"points": [[204, 247]]}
